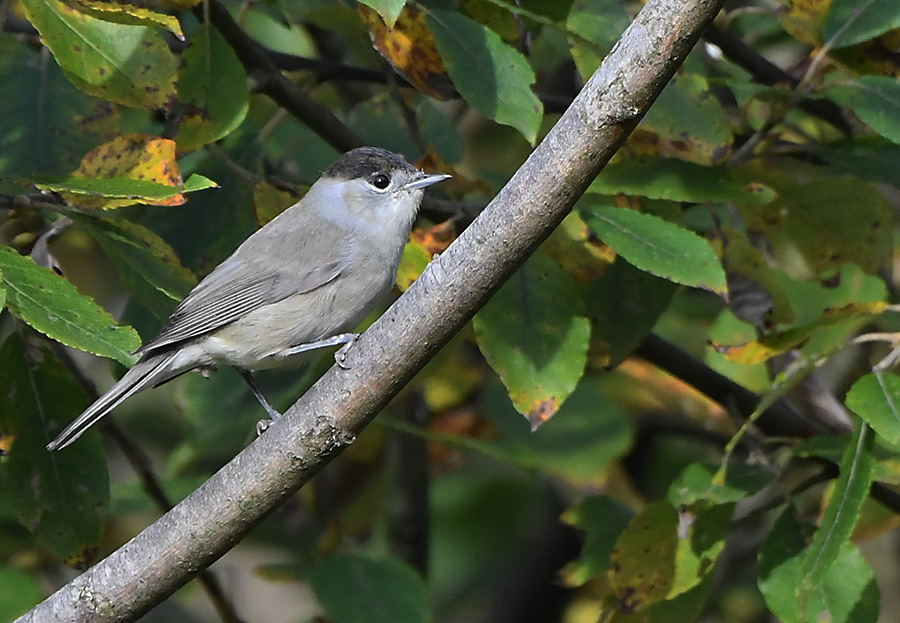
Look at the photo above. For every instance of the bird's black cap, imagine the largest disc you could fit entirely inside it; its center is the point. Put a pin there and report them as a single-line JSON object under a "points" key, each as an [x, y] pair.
{"points": [[367, 161]]}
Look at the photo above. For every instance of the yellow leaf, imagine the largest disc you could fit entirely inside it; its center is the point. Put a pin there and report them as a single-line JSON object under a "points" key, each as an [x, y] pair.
{"points": [[409, 47], [132, 156]]}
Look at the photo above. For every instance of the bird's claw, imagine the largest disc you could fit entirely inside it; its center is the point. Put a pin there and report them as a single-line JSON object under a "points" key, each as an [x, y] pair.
{"points": [[340, 357]]}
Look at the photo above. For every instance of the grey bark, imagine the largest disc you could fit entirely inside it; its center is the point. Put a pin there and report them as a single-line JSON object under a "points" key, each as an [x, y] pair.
{"points": [[327, 418]]}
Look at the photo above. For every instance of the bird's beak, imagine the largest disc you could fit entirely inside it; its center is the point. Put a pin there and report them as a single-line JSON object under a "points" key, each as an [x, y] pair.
{"points": [[427, 179]]}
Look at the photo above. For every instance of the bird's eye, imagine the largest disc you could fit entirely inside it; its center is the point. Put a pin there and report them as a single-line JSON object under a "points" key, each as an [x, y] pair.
{"points": [[381, 181]]}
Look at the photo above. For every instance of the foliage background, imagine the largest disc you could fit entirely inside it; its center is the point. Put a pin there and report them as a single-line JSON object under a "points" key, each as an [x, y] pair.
{"points": [[740, 246]]}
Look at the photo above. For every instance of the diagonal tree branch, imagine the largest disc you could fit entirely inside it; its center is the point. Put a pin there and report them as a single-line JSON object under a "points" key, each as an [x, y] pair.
{"points": [[328, 417]]}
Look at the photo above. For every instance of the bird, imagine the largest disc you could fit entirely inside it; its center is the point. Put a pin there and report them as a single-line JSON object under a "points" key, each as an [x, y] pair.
{"points": [[301, 282]]}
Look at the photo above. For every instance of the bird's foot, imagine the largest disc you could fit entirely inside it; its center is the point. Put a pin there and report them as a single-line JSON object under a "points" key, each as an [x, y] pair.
{"points": [[340, 357]]}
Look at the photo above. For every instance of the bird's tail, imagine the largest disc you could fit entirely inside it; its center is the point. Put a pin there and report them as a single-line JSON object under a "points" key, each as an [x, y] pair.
{"points": [[145, 373]]}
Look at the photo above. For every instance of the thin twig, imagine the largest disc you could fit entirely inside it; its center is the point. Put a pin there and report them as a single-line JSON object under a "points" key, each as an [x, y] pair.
{"points": [[766, 72], [408, 507], [779, 420], [274, 84]]}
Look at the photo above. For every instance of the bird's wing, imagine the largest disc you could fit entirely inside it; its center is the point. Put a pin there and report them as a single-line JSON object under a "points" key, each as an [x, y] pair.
{"points": [[232, 290]]}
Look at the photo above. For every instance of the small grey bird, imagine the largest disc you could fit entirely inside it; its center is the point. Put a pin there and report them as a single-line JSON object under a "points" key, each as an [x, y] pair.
{"points": [[299, 283]]}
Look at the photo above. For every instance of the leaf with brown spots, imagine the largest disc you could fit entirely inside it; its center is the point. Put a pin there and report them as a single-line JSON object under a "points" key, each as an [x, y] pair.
{"points": [[137, 157], [542, 411], [129, 169], [688, 114], [849, 317], [804, 20], [534, 334], [124, 13], [410, 49], [436, 238], [212, 85], [130, 65], [666, 553], [643, 561], [818, 223]]}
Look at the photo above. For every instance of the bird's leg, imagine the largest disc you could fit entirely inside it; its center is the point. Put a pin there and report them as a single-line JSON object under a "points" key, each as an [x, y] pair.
{"points": [[262, 425], [347, 339], [341, 355]]}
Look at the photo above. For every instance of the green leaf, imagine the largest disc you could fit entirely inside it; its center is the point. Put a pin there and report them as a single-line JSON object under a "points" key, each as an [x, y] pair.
{"points": [[492, 76], [875, 100], [624, 305], [130, 65], [850, 491], [778, 567], [677, 180], [658, 247], [389, 10], [829, 447], [597, 24], [601, 519], [688, 606], [874, 160], [197, 182], [54, 307], [60, 497], [755, 290], [853, 21], [850, 297], [696, 483], [643, 560], [125, 13], [876, 399], [815, 226], [727, 329], [687, 112], [533, 333], [413, 262], [848, 593], [702, 531], [213, 86], [20, 593], [147, 265], [359, 589], [119, 187]]}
